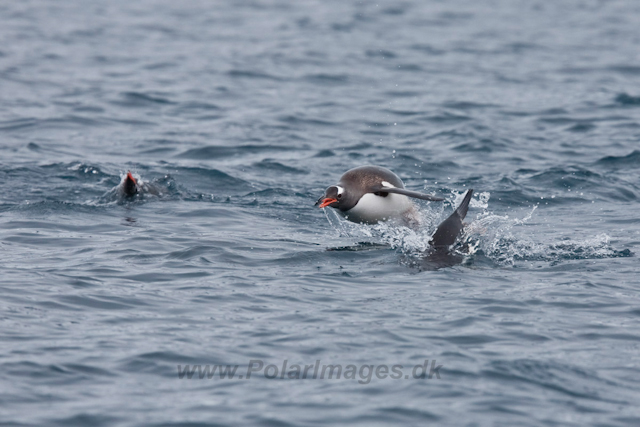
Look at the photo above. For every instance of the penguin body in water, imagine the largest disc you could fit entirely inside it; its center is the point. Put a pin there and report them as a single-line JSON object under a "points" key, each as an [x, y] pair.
{"points": [[448, 231], [132, 185]]}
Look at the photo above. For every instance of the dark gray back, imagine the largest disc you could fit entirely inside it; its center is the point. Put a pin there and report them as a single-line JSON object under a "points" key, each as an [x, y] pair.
{"points": [[359, 181]]}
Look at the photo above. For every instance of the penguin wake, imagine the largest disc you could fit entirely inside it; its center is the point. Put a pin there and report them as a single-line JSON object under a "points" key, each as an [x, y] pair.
{"points": [[487, 239]]}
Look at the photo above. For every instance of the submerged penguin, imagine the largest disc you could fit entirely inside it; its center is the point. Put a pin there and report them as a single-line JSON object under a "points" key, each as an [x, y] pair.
{"points": [[129, 186], [446, 235], [449, 229], [371, 194]]}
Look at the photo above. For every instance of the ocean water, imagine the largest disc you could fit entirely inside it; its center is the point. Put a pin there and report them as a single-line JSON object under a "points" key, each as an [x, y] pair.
{"points": [[239, 114]]}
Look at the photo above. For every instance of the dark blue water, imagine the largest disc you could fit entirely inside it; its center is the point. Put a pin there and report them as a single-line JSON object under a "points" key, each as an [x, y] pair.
{"points": [[239, 114]]}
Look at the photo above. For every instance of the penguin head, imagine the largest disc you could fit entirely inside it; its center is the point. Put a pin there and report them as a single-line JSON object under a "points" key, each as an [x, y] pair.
{"points": [[338, 197], [130, 185]]}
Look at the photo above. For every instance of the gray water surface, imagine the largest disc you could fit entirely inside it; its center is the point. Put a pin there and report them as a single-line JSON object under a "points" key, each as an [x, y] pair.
{"points": [[239, 114]]}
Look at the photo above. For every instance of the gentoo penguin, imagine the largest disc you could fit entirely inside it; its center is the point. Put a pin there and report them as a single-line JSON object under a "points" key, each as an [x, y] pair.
{"points": [[449, 229], [129, 185], [370, 194], [446, 235], [132, 187]]}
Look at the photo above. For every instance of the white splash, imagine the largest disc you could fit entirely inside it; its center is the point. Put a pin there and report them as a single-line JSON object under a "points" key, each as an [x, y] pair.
{"points": [[504, 239]]}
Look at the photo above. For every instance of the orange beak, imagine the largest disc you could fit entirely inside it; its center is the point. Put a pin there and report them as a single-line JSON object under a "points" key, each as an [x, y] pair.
{"points": [[129, 176], [326, 202]]}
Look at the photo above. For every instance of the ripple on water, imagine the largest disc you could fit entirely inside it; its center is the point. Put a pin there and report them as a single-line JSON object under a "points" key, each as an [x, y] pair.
{"points": [[239, 114]]}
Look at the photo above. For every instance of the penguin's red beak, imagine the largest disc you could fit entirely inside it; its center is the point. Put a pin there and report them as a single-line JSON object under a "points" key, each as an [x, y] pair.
{"points": [[326, 202], [130, 176]]}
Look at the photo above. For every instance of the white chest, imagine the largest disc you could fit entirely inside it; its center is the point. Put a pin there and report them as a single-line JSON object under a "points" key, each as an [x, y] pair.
{"points": [[372, 209]]}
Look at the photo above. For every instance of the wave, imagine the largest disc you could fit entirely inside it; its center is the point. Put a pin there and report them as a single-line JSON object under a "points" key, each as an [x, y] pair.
{"points": [[627, 100], [220, 151], [497, 237], [632, 159]]}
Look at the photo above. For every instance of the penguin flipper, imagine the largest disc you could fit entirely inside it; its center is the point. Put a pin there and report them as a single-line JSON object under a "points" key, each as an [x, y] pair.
{"points": [[405, 192], [450, 228]]}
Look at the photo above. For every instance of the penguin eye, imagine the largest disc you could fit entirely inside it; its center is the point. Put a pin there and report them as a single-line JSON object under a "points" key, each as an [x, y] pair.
{"points": [[339, 196]]}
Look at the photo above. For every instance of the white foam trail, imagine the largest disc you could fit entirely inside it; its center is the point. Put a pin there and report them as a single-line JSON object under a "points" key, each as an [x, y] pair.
{"points": [[504, 239]]}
